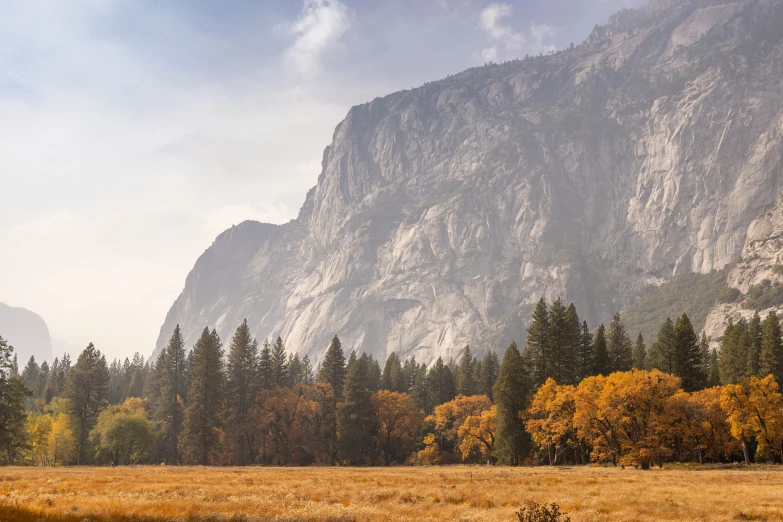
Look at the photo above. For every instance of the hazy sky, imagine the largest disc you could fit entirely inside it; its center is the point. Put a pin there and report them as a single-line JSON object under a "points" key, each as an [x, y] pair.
{"points": [[133, 132]]}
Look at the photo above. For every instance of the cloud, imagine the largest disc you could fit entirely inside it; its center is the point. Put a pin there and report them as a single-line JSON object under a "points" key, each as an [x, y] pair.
{"points": [[320, 25], [539, 33], [491, 21]]}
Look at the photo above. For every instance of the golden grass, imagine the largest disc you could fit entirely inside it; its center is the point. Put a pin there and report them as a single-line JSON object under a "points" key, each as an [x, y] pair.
{"points": [[386, 494]]}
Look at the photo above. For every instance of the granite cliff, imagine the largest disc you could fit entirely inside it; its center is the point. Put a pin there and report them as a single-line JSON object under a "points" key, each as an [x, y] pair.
{"points": [[443, 213]]}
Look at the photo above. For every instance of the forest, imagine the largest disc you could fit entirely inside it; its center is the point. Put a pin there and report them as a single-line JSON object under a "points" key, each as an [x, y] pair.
{"points": [[572, 395]]}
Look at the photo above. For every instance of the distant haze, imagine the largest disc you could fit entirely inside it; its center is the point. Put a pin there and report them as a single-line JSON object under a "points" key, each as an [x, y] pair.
{"points": [[135, 132]]}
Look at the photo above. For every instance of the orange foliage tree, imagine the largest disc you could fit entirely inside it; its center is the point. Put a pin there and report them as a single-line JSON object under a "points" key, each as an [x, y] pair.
{"points": [[477, 436], [550, 419], [398, 423], [755, 409]]}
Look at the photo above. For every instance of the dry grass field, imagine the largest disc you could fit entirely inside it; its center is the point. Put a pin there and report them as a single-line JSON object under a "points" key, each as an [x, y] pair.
{"points": [[385, 494]]}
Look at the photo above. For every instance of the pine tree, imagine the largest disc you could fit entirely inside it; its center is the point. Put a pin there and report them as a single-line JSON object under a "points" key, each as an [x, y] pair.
{"points": [[294, 370], [373, 373], [13, 393], [410, 369], [87, 389], [771, 358], [265, 374], [536, 353], [467, 364], [574, 339], [440, 383], [241, 390], [332, 372], [601, 354], [733, 357], [392, 378], [560, 355], [204, 412], [754, 347], [704, 350], [169, 407], [713, 375], [308, 376], [639, 353], [420, 394], [279, 364], [689, 361], [333, 368], [490, 368], [618, 346], [585, 354], [510, 392], [663, 354], [357, 427]]}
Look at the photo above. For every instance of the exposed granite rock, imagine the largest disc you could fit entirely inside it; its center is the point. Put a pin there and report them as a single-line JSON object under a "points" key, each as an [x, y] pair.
{"points": [[443, 213], [27, 333]]}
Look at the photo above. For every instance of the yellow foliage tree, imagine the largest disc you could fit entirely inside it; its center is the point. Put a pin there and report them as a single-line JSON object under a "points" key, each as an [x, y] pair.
{"points": [[477, 436], [447, 419], [398, 423], [550, 419], [61, 443], [755, 409], [38, 428]]}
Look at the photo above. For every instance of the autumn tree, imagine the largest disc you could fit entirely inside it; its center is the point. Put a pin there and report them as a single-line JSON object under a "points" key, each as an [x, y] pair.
{"points": [[477, 436], [398, 422], [550, 419], [123, 434], [755, 409]]}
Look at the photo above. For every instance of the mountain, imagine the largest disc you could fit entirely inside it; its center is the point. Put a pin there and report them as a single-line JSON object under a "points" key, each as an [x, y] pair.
{"points": [[27, 333], [443, 213], [755, 283]]}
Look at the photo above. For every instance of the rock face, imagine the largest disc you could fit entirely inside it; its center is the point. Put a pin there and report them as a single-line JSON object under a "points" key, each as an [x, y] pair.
{"points": [[443, 213], [759, 268], [27, 333]]}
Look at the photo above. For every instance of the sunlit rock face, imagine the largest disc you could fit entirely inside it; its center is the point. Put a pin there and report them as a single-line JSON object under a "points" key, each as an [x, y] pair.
{"points": [[443, 213], [27, 332]]}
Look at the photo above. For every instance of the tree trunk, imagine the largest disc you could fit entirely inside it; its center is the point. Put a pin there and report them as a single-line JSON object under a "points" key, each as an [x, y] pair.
{"points": [[745, 450]]}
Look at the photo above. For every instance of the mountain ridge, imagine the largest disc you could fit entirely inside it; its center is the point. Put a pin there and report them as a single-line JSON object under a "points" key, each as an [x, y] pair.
{"points": [[443, 213]]}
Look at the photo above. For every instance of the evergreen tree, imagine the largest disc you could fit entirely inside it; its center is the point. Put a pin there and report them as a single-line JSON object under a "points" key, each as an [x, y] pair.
{"points": [[410, 369], [358, 428], [332, 372], [171, 372], [560, 356], [333, 368], [618, 346], [204, 412], [467, 364], [241, 390], [704, 349], [771, 357], [573, 340], [713, 376], [373, 373], [511, 390], [87, 389], [601, 354], [279, 364], [12, 413], [733, 358], [639, 353], [663, 354], [585, 354], [420, 394], [308, 377], [265, 374], [490, 368], [392, 378], [754, 346], [440, 383], [536, 353], [689, 361]]}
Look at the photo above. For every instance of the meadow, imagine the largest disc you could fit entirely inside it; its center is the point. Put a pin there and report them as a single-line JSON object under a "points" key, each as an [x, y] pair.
{"points": [[386, 494]]}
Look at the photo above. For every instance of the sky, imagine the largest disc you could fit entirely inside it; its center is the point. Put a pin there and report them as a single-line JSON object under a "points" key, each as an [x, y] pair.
{"points": [[133, 132]]}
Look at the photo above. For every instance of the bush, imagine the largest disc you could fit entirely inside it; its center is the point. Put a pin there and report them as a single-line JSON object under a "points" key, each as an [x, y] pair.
{"points": [[729, 295], [541, 513]]}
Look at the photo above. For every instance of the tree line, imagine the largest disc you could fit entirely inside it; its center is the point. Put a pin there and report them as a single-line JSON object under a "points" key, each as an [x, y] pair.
{"points": [[570, 396]]}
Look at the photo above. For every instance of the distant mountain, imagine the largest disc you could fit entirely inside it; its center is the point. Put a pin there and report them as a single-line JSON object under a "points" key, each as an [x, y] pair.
{"points": [[27, 333], [443, 213]]}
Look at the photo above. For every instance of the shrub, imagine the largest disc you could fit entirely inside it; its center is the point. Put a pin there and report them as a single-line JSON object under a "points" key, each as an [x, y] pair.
{"points": [[542, 513], [729, 295]]}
